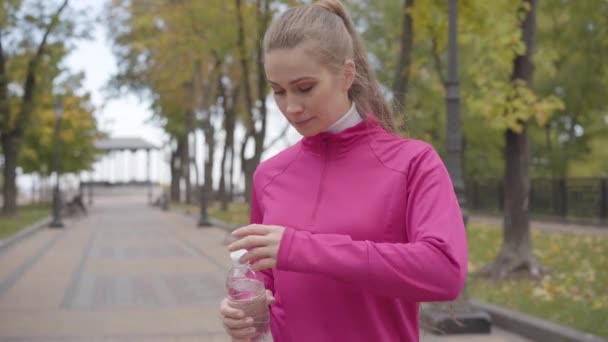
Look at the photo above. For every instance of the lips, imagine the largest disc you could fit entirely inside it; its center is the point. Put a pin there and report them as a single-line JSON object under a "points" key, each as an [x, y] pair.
{"points": [[302, 122]]}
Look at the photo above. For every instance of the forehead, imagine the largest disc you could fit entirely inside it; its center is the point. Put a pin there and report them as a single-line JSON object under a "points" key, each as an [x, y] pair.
{"points": [[284, 65]]}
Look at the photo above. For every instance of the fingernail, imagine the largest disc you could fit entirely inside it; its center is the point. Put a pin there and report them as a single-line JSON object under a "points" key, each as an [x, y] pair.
{"points": [[249, 320]]}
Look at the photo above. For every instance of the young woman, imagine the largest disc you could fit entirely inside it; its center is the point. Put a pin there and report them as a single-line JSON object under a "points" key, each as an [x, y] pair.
{"points": [[353, 226]]}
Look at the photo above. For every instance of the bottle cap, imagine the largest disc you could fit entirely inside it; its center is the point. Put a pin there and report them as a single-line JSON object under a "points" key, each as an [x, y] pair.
{"points": [[236, 256]]}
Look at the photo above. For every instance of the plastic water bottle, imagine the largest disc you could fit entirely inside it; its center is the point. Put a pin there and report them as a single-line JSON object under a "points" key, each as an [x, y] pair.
{"points": [[247, 292]]}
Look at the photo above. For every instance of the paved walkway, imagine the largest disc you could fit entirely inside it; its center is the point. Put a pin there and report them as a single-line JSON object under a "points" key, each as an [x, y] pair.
{"points": [[126, 272]]}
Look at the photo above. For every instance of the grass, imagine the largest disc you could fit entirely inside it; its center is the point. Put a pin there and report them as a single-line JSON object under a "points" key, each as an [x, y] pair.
{"points": [[237, 213], [574, 294], [26, 216]]}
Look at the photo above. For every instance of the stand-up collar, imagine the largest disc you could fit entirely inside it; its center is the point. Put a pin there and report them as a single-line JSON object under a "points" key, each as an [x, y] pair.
{"points": [[348, 120], [341, 142]]}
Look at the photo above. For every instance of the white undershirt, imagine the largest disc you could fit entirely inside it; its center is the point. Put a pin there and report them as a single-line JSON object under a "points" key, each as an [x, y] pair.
{"points": [[348, 120]]}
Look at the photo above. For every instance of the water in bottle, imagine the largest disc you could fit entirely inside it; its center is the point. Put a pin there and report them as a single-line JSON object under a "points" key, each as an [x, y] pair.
{"points": [[247, 292]]}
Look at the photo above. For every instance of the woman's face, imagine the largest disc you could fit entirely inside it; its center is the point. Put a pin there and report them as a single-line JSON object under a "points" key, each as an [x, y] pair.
{"points": [[309, 95]]}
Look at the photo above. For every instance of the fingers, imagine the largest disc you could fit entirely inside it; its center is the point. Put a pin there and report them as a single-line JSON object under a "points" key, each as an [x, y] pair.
{"points": [[270, 298], [264, 264], [249, 242], [258, 253], [236, 325], [228, 311], [252, 229]]}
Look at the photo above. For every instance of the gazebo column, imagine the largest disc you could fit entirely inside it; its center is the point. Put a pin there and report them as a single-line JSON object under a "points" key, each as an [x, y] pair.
{"points": [[148, 176], [125, 165], [134, 161]]}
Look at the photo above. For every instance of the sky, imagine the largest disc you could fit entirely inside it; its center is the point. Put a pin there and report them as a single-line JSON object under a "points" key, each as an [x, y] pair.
{"points": [[122, 116]]}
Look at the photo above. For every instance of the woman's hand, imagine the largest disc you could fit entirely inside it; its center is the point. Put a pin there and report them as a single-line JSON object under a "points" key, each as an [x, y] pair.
{"points": [[239, 327], [262, 243]]}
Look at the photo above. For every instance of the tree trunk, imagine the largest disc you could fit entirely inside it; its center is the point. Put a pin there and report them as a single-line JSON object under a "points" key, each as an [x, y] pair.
{"points": [[221, 191], [516, 251], [231, 179], [402, 74], [550, 151], [229, 124], [209, 161], [10, 148], [176, 170], [185, 164], [257, 113]]}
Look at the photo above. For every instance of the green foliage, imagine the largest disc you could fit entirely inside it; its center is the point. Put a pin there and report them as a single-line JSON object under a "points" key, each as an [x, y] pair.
{"points": [[35, 39], [78, 134], [565, 96], [161, 46]]}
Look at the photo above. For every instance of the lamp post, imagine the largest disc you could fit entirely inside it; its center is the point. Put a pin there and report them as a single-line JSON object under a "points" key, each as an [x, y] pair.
{"points": [[91, 188], [56, 222], [204, 217], [460, 316]]}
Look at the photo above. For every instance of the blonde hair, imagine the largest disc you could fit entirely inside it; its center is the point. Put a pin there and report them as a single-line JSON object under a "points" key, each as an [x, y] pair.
{"points": [[327, 26]]}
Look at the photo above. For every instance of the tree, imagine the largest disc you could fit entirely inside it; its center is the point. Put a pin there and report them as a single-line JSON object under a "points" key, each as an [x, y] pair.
{"points": [[256, 110], [572, 48], [27, 28], [402, 75], [157, 55], [516, 251], [78, 133]]}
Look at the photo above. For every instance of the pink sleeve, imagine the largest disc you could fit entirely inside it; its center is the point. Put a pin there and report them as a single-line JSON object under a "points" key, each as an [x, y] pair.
{"points": [[431, 267], [256, 216]]}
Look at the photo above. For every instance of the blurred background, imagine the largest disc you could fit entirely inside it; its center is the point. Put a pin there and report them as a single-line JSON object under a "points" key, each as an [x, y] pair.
{"points": [[169, 97]]}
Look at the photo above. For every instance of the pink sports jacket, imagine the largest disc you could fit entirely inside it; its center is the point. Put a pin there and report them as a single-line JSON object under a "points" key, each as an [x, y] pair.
{"points": [[373, 227]]}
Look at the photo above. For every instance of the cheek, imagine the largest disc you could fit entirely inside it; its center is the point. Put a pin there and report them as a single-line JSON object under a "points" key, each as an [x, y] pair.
{"points": [[319, 101], [280, 103]]}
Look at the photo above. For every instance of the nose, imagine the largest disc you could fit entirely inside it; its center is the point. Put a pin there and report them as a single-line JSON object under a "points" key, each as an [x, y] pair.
{"points": [[293, 107]]}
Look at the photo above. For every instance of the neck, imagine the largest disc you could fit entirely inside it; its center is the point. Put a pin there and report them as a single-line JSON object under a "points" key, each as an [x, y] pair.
{"points": [[347, 120]]}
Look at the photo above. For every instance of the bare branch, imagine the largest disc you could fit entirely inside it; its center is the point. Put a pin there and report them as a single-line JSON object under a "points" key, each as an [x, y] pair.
{"points": [[278, 138]]}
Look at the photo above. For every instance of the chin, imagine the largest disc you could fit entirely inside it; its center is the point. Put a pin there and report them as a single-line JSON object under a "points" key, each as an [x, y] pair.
{"points": [[307, 132]]}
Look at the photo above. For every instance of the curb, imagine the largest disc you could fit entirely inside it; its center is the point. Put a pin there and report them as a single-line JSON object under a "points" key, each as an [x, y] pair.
{"points": [[533, 327], [23, 233]]}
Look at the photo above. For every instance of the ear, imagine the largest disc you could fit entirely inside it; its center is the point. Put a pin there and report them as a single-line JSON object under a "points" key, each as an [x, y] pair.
{"points": [[349, 73]]}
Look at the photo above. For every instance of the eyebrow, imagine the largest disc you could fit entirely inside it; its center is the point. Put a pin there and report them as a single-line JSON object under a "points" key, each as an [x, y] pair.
{"points": [[294, 81]]}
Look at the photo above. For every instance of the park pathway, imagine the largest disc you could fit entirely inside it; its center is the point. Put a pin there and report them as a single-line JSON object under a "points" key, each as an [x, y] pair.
{"points": [[126, 272]]}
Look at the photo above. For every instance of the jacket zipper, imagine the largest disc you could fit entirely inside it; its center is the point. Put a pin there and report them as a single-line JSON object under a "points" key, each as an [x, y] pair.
{"points": [[318, 197]]}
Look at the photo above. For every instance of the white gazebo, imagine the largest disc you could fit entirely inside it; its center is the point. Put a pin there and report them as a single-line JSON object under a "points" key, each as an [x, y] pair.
{"points": [[123, 162]]}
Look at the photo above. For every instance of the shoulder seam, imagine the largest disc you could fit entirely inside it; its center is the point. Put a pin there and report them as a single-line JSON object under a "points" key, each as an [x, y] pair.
{"points": [[404, 172], [284, 169]]}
